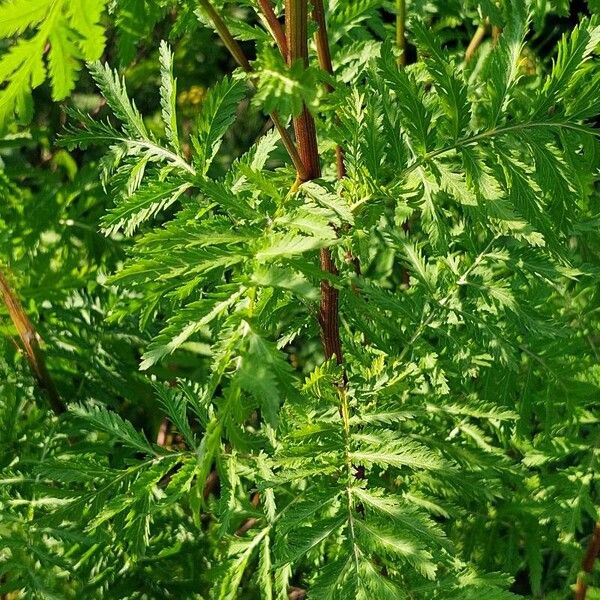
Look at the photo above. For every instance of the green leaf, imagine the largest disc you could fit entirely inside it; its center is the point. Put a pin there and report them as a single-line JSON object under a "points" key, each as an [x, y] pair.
{"points": [[288, 244], [70, 30], [504, 60], [168, 95], [332, 576], [415, 117], [574, 50], [404, 516], [137, 492], [452, 91], [111, 423], [264, 570], [329, 200], [301, 540], [18, 15], [285, 279], [219, 109], [264, 373], [175, 403], [385, 449], [85, 21], [135, 21], [241, 550], [114, 90], [186, 323], [62, 63], [142, 205], [378, 537], [285, 90], [376, 585]]}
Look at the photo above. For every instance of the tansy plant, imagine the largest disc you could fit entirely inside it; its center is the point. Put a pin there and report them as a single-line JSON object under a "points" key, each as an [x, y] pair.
{"points": [[372, 332]]}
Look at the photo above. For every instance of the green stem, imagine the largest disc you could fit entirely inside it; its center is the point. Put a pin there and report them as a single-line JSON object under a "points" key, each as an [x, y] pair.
{"points": [[230, 43], [401, 31]]}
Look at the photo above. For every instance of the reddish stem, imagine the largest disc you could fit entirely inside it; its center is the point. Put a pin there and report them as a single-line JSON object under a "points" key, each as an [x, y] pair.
{"points": [[328, 313], [324, 54], [296, 19], [275, 26], [587, 565]]}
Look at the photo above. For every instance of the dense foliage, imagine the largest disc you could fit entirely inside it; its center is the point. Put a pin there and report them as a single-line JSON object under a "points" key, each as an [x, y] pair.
{"points": [[238, 364]]}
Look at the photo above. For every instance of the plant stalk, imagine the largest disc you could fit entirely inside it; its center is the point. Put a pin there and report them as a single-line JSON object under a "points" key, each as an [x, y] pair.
{"points": [[401, 31], [29, 340], [402, 62], [321, 37], [306, 157], [296, 20], [228, 40]]}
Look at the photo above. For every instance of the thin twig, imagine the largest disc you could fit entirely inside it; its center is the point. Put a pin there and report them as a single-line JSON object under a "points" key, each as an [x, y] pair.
{"points": [[275, 26], [290, 147], [324, 55], [30, 342], [329, 311], [475, 42], [587, 565], [321, 37], [230, 43]]}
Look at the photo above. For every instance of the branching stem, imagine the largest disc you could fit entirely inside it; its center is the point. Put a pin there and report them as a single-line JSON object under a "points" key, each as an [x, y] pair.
{"points": [[329, 310], [238, 54]]}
